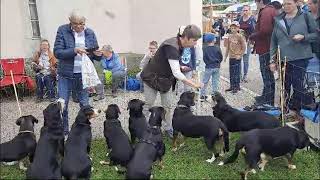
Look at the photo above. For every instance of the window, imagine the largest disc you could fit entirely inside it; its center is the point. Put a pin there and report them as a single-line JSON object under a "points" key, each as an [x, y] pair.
{"points": [[34, 19]]}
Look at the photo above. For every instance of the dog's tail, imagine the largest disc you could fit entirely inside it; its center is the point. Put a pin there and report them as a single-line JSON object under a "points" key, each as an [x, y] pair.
{"points": [[234, 156]]}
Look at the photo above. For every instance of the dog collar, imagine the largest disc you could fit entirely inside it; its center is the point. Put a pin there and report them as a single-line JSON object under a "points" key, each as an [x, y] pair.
{"points": [[182, 106], [26, 132]]}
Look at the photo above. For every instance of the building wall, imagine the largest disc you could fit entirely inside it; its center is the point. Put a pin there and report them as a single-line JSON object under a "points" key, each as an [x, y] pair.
{"points": [[16, 32], [128, 25], [160, 19]]}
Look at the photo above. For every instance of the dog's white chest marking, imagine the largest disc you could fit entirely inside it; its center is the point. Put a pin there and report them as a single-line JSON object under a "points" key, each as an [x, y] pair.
{"points": [[263, 161], [213, 158]]}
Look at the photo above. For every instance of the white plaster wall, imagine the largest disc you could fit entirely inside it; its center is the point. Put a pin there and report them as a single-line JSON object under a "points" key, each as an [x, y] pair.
{"points": [[115, 31], [133, 23], [16, 32], [160, 19]]}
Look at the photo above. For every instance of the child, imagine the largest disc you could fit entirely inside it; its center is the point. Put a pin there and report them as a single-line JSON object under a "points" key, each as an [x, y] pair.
{"points": [[236, 47], [212, 58]]}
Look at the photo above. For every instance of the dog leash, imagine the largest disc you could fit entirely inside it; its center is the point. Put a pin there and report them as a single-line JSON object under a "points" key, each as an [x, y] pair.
{"points": [[316, 141]]}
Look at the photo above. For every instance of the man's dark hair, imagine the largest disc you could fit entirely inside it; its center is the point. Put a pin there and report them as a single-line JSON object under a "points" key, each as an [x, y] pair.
{"points": [[265, 2], [276, 4], [191, 32]]}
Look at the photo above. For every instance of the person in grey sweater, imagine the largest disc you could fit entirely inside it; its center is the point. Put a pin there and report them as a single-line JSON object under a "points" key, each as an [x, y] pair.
{"points": [[293, 32]]}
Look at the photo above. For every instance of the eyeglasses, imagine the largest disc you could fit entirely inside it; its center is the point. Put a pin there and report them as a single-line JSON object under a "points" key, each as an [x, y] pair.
{"points": [[77, 23], [245, 10]]}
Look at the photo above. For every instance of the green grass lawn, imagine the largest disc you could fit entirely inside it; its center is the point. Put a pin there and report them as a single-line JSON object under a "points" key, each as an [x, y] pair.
{"points": [[189, 163]]}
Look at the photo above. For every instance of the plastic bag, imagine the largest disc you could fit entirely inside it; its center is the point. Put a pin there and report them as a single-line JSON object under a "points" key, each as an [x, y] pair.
{"points": [[108, 77], [89, 74]]}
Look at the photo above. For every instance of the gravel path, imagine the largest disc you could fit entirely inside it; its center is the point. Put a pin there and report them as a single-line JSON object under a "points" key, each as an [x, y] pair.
{"points": [[10, 113]]}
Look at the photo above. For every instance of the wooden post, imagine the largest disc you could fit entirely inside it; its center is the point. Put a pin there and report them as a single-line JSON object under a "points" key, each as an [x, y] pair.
{"points": [[15, 93]]}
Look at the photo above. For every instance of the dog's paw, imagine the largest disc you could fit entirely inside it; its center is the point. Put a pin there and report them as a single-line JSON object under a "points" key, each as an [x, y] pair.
{"points": [[221, 163], [21, 166], [174, 149], [151, 176], [107, 154], [92, 169], [253, 171], [210, 160], [10, 163], [90, 158], [181, 145], [104, 162], [116, 168], [221, 154], [291, 166]]}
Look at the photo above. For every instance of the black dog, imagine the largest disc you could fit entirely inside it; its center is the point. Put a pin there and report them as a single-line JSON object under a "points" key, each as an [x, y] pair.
{"points": [[117, 140], [76, 162], [45, 164], [137, 120], [189, 125], [260, 143], [23, 145], [149, 149], [237, 120]]}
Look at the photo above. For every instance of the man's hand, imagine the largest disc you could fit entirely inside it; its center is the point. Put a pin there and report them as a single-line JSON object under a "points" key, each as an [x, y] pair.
{"points": [[273, 67], [80, 51], [185, 68], [298, 37], [97, 53]]}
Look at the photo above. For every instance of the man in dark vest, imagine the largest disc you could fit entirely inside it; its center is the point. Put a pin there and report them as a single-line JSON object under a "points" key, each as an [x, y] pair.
{"points": [[160, 74]]}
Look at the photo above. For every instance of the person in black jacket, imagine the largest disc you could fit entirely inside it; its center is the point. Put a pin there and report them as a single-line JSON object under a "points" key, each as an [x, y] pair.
{"points": [[212, 57], [160, 74]]}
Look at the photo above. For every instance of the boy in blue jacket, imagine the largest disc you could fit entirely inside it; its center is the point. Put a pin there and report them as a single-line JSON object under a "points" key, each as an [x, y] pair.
{"points": [[212, 57]]}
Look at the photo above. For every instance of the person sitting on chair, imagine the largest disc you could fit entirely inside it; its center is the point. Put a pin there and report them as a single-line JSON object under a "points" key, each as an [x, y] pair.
{"points": [[110, 61], [44, 64]]}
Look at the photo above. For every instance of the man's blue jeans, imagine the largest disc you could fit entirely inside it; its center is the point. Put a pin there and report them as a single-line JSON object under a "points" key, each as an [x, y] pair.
{"points": [[213, 73], [45, 81], [245, 60], [65, 86]]}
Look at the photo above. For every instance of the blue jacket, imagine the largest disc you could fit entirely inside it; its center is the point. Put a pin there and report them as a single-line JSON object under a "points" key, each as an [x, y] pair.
{"points": [[113, 64], [212, 56], [64, 48]]}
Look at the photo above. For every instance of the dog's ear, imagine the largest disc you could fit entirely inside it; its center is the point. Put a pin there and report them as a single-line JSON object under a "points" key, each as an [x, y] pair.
{"points": [[34, 120], [18, 122]]}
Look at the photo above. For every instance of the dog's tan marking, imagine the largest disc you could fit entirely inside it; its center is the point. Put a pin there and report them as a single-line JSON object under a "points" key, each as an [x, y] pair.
{"points": [[264, 160], [290, 163], [21, 166], [161, 165]]}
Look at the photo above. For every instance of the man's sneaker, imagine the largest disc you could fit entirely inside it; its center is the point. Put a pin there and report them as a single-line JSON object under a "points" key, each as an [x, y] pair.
{"points": [[203, 98], [169, 133]]}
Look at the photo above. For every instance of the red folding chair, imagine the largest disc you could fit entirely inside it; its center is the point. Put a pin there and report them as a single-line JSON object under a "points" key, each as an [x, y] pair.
{"points": [[18, 71]]}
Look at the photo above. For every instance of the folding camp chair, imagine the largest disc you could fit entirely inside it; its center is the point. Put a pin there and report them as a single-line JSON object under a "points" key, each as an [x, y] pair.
{"points": [[16, 66], [124, 63]]}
